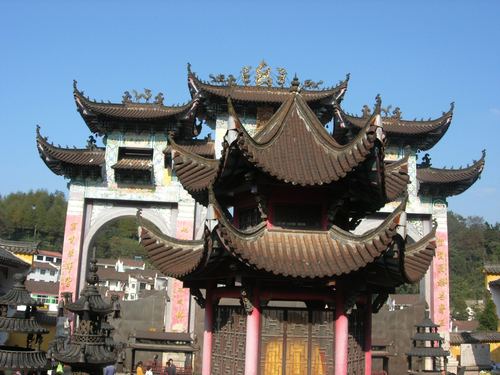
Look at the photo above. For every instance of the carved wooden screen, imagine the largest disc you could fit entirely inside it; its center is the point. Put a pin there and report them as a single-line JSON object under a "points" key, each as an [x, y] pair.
{"points": [[273, 331], [356, 357], [297, 341], [228, 354], [323, 341]]}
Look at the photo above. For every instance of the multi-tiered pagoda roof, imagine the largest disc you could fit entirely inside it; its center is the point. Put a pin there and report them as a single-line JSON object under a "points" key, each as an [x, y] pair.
{"points": [[209, 98], [427, 343], [90, 346], [293, 154], [29, 357]]}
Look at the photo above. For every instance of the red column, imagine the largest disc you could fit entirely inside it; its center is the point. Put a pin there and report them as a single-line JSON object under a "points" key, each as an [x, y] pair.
{"points": [[252, 347], [368, 335], [341, 334], [207, 334]]}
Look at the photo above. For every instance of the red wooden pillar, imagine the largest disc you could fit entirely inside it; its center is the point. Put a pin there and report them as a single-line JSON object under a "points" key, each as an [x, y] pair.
{"points": [[252, 344], [208, 333], [368, 335], [341, 334]]}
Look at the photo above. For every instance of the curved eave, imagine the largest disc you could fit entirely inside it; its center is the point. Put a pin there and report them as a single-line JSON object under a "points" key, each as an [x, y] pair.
{"points": [[135, 164], [90, 300], [21, 325], [396, 178], [295, 147], [18, 359], [20, 247], [196, 173], [423, 134], [9, 259], [308, 254], [18, 296], [263, 94], [447, 182], [205, 149], [173, 257], [418, 257], [94, 354], [93, 112], [59, 159]]}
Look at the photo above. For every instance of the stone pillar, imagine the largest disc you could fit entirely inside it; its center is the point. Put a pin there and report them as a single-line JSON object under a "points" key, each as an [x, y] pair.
{"points": [[72, 246], [440, 286], [252, 347], [341, 334], [368, 335], [180, 297], [207, 334]]}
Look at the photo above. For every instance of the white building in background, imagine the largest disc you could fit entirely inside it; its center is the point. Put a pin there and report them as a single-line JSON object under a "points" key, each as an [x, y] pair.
{"points": [[46, 266], [121, 264], [128, 278]]}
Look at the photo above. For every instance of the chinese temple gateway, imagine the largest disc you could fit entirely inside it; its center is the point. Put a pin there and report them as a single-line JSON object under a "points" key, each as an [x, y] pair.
{"points": [[304, 230]]}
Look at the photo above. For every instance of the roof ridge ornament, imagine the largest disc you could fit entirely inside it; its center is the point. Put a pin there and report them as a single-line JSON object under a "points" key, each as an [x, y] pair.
{"points": [[312, 85], [246, 74], [146, 95], [263, 75], [281, 79], [91, 143], [295, 85], [378, 105]]}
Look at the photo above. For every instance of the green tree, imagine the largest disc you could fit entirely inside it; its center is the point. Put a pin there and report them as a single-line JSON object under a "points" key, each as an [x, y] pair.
{"points": [[459, 310], [119, 238], [488, 319], [36, 215]]}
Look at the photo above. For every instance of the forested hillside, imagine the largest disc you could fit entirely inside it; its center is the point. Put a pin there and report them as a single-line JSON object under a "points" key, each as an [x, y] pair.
{"points": [[36, 215], [472, 242], [40, 215]]}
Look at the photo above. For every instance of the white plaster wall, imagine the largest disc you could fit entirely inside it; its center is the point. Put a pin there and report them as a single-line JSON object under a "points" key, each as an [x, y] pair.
{"points": [[249, 123], [156, 141]]}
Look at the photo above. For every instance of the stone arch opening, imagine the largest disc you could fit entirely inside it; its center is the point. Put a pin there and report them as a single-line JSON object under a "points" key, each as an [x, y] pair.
{"points": [[98, 220]]}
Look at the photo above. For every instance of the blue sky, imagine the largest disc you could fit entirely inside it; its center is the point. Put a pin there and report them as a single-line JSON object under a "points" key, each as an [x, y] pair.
{"points": [[418, 55]]}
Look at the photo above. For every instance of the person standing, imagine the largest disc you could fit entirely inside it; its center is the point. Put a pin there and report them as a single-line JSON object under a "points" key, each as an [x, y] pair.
{"points": [[171, 369], [139, 370], [110, 370]]}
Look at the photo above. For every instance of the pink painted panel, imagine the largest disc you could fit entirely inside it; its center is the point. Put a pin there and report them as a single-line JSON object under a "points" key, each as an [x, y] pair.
{"points": [[179, 296], [71, 254], [440, 283]]}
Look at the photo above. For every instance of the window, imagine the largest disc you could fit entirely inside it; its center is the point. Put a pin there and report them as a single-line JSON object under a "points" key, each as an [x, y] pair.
{"points": [[58, 260], [52, 273], [42, 272], [39, 257], [132, 286], [297, 216], [49, 259], [134, 166]]}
